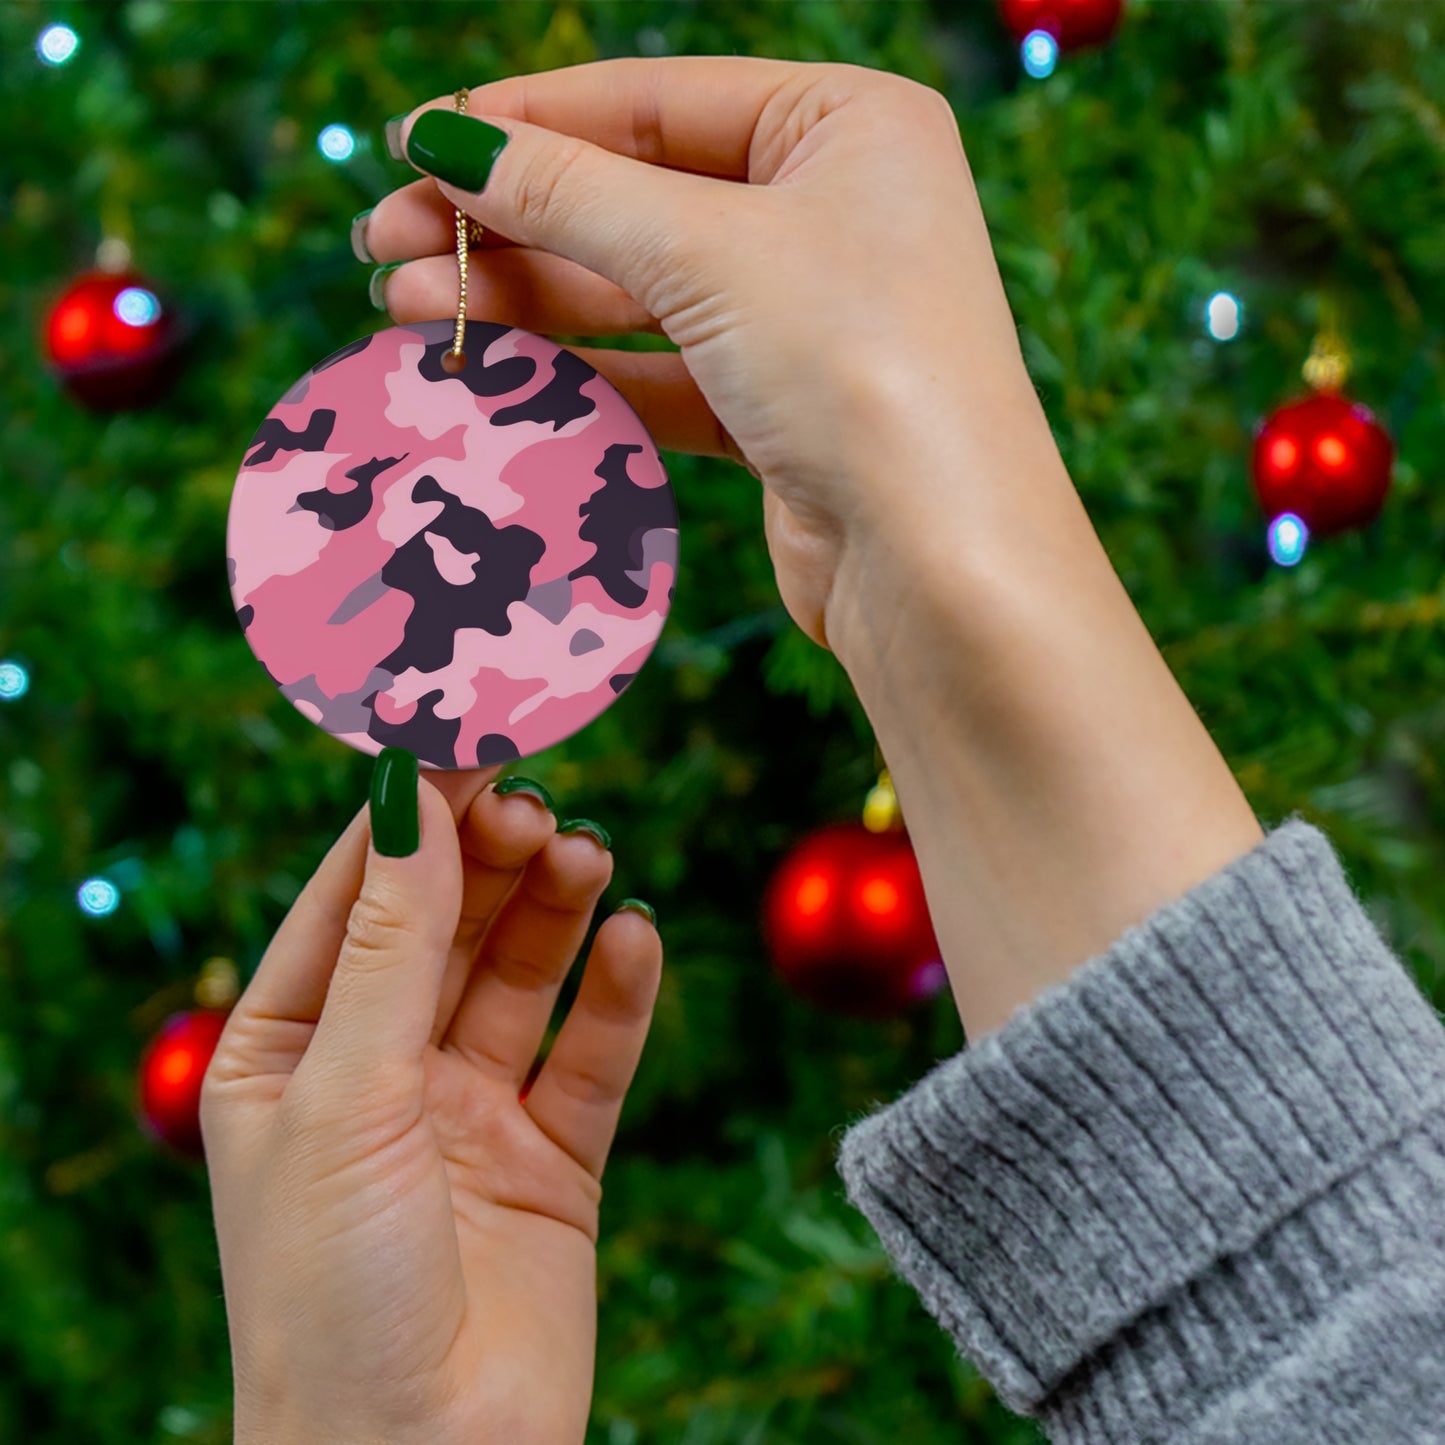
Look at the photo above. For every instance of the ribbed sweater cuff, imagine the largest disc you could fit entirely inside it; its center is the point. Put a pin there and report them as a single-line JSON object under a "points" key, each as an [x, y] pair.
{"points": [[1144, 1165]]}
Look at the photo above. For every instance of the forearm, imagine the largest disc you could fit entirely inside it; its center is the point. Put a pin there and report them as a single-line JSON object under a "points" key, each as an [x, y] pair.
{"points": [[1057, 784]]}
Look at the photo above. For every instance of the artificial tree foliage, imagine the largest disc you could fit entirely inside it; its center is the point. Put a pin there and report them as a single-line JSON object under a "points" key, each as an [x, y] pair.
{"points": [[1290, 154]]}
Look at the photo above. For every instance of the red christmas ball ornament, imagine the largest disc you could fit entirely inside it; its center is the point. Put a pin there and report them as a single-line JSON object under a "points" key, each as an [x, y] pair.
{"points": [[1073, 23], [1324, 458], [171, 1071], [112, 341], [847, 924]]}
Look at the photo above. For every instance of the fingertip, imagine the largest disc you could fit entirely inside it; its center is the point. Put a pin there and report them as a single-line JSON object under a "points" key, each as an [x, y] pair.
{"points": [[629, 969], [634, 950], [636, 905], [461, 786], [395, 137], [499, 832], [434, 809], [395, 803]]}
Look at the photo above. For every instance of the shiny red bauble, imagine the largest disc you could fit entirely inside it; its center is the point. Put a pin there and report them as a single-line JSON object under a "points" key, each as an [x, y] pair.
{"points": [[171, 1071], [1324, 458], [112, 341], [1073, 23], [847, 924]]}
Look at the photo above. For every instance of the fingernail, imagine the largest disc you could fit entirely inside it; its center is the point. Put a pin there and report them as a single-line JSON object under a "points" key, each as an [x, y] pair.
{"points": [[586, 825], [638, 906], [376, 287], [455, 148], [358, 236], [515, 784], [395, 824], [393, 136]]}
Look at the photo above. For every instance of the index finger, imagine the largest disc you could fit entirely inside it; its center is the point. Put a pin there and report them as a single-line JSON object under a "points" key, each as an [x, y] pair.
{"points": [[696, 113]]}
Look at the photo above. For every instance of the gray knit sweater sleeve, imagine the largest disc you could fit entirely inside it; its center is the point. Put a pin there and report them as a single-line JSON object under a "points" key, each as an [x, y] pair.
{"points": [[1196, 1192]]}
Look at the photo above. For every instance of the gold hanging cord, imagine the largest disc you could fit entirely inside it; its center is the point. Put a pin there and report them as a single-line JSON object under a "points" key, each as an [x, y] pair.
{"points": [[1328, 366], [469, 233]]}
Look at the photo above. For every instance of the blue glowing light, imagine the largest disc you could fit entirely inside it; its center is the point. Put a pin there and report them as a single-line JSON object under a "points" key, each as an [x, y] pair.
{"points": [[1040, 53], [336, 143], [137, 307], [98, 897], [1223, 316], [14, 681], [57, 44], [1288, 537]]}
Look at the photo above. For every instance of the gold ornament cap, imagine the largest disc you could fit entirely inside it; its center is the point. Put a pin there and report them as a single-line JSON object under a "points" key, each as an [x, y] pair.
{"points": [[881, 812], [1328, 365], [219, 985]]}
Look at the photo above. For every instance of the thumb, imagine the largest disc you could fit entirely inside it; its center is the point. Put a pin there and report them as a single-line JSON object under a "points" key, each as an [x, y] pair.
{"points": [[633, 223], [382, 999]]}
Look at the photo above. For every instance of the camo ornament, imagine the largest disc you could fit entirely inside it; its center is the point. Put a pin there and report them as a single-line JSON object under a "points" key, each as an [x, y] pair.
{"points": [[469, 566]]}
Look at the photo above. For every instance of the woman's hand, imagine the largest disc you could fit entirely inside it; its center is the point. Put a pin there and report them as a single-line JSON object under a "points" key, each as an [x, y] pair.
{"points": [[810, 237], [408, 1247]]}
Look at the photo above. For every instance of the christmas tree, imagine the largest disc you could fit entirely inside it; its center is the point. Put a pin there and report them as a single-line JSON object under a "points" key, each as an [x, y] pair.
{"points": [[1180, 213]]}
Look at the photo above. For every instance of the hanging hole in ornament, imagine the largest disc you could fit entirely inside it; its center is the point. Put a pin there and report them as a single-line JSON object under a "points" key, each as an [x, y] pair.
{"points": [[453, 361]]}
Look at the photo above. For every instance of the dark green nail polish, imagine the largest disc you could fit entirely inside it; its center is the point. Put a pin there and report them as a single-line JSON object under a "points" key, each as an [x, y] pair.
{"points": [[515, 784], [392, 131], [455, 148], [376, 287], [638, 906], [358, 236], [586, 825], [395, 824]]}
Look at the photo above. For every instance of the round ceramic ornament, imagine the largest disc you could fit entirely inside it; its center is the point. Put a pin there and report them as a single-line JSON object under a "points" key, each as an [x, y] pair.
{"points": [[469, 563]]}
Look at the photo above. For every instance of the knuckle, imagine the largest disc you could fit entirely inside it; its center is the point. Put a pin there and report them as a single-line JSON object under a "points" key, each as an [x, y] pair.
{"points": [[374, 932], [541, 188], [299, 1116], [851, 75], [587, 1085], [520, 970], [925, 100], [647, 135]]}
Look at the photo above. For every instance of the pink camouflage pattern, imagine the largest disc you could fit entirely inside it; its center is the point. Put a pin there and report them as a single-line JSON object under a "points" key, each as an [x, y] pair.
{"points": [[471, 567]]}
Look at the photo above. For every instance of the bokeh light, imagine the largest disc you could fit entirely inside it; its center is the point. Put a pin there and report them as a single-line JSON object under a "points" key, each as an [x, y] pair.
{"points": [[1282, 455], [57, 44], [137, 307], [1288, 537], [1223, 316], [14, 681], [1040, 53], [336, 143], [98, 897], [879, 897], [812, 895], [930, 977]]}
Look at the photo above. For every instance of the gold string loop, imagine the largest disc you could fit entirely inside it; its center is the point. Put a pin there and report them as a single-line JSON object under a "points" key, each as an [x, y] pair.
{"points": [[469, 233]]}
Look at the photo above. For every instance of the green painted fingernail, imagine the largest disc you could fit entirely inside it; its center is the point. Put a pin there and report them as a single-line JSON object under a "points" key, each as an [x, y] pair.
{"points": [[376, 287], [359, 247], [586, 825], [455, 148], [638, 906], [395, 824], [516, 784], [392, 132]]}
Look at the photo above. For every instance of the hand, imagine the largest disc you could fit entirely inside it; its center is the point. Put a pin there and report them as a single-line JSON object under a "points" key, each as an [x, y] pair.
{"points": [[844, 298], [407, 1247]]}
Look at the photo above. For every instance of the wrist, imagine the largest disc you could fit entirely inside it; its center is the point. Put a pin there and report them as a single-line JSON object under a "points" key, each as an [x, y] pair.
{"points": [[1056, 783], [944, 468]]}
